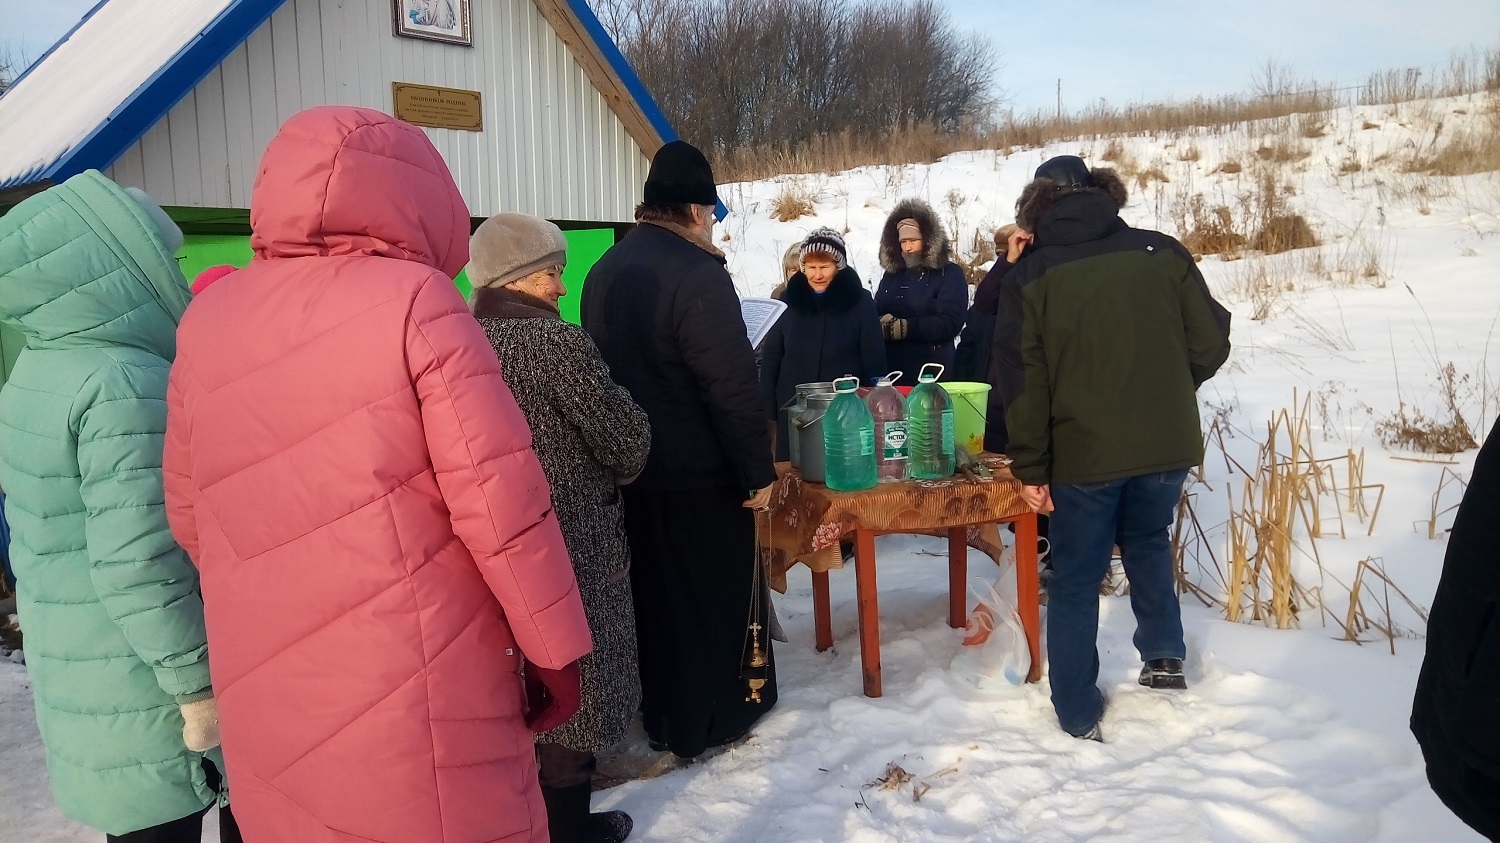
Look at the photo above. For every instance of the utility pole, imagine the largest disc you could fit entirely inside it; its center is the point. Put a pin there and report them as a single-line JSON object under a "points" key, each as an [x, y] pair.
{"points": [[1059, 97]]}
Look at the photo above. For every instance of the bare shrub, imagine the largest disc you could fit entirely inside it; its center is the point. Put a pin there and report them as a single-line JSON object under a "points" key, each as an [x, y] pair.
{"points": [[709, 66], [1113, 152], [1191, 152], [981, 250]]}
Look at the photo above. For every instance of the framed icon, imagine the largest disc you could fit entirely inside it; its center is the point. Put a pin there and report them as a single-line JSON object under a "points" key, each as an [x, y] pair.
{"points": [[433, 20]]}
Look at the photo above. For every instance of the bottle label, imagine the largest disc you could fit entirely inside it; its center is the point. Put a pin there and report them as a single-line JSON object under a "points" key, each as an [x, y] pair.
{"points": [[867, 441], [893, 440], [948, 431]]}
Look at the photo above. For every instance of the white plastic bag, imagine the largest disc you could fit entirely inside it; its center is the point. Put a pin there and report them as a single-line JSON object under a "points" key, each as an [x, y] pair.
{"points": [[994, 653]]}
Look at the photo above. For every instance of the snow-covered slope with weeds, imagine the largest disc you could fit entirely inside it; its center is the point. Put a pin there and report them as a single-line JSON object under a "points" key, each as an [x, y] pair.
{"points": [[1285, 735]]}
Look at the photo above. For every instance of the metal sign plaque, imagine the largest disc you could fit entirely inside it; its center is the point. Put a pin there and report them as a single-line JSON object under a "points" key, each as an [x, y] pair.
{"points": [[438, 108]]}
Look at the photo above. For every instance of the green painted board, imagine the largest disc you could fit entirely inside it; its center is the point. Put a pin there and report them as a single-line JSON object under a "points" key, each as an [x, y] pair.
{"points": [[585, 247]]}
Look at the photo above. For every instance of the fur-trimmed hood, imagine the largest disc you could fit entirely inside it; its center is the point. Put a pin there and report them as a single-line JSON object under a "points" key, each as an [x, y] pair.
{"points": [[842, 293], [1038, 197], [935, 250]]}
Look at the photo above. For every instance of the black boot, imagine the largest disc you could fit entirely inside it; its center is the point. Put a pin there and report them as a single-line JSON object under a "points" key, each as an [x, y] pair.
{"points": [[569, 820], [567, 812], [609, 827]]}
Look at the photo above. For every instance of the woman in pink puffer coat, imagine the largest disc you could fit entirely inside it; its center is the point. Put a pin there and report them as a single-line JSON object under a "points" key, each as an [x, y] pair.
{"points": [[357, 486]]}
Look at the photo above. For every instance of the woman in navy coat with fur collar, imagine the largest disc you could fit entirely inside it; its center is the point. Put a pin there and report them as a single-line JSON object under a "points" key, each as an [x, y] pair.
{"points": [[829, 330], [923, 296]]}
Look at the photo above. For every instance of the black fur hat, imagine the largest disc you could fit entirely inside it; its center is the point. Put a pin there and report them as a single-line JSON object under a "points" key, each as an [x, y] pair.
{"points": [[1059, 177], [1067, 172], [680, 174]]}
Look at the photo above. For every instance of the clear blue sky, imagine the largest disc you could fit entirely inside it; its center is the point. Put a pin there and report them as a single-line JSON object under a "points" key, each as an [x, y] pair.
{"points": [[1146, 50], [1120, 50]]}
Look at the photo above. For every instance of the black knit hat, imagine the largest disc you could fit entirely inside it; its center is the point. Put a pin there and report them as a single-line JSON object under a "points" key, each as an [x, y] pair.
{"points": [[826, 241], [680, 175]]}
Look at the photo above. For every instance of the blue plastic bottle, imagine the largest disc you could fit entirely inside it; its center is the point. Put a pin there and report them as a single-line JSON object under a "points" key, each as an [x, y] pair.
{"points": [[929, 427], [849, 440]]}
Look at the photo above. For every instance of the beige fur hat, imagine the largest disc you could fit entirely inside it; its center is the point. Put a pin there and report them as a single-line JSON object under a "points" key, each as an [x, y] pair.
{"points": [[509, 247]]}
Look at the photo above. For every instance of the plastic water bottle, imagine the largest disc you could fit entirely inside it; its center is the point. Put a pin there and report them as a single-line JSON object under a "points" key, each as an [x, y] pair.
{"points": [[929, 427], [849, 440], [888, 409]]}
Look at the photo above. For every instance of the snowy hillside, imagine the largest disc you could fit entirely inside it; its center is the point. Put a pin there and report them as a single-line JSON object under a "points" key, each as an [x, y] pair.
{"points": [[1285, 734]]}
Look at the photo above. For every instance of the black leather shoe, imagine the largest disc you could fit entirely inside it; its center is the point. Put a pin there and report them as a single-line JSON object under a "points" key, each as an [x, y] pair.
{"points": [[1164, 674]]}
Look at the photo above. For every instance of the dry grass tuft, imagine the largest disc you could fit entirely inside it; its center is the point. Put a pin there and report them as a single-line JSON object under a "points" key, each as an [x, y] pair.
{"points": [[1230, 168], [1283, 233], [1311, 125], [1207, 230], [1149, 175], [794, 202], [1191, 152], [1410, 428], [1281, 151], [1474, 149]]}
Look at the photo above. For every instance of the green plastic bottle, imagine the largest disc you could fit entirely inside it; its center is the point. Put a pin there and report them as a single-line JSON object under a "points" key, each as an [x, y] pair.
{"points": [[929, 427], [849, 440]]}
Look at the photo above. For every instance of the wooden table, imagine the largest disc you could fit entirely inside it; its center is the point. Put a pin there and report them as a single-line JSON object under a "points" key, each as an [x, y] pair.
{"points": [[809, 519]]}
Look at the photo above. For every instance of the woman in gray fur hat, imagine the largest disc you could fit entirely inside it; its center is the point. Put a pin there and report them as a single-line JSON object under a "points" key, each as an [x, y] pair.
{"points": [[922, 296], [591, 438]]}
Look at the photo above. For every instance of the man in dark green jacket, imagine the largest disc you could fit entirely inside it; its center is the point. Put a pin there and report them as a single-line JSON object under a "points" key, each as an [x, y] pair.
{"points": [[1104, 334]]}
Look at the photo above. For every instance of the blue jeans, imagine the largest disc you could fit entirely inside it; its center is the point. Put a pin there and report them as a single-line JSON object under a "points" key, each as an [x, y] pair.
{"points": [[1135, 513]]}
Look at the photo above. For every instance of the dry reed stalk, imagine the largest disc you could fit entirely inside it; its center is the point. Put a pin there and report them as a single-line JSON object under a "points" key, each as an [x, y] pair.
{"points": [[1278, 517], [1444, 479], [1358, 620], [1187, 519]]}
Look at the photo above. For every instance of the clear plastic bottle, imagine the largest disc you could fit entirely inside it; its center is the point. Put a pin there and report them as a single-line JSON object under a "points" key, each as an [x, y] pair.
{"points": [[849, 440], [929, 427], [888, 409]]}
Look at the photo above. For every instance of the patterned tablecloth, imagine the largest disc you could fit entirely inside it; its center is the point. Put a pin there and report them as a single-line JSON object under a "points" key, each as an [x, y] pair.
{"points": [[808, 519]]}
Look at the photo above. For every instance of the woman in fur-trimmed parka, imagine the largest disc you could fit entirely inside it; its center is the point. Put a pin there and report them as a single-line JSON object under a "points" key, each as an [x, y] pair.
{"points": [[923, 296], [590, 438]]}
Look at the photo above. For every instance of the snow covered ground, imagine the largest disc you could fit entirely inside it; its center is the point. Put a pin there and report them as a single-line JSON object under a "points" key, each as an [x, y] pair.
{"points": [[1285, 735]]}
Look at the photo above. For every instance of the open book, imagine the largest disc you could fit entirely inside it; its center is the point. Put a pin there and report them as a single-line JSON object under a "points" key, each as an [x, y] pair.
{"points": [[760, 315]]}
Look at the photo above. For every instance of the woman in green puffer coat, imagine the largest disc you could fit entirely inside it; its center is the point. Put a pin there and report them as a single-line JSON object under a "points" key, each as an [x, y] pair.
{"points": [[116, 647]]}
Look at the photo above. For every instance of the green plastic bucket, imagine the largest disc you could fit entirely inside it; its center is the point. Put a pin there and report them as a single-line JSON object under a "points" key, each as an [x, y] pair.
{"points": [[970, 401]]}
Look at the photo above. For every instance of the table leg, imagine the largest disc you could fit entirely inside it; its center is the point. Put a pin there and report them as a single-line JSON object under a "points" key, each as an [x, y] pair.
{"points": [[958, 576], [1028, 591], [822, 611], [869, 610]]}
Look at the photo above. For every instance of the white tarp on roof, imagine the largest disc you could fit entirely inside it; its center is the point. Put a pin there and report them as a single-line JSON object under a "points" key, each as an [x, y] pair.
{"points": [[90, 74]]}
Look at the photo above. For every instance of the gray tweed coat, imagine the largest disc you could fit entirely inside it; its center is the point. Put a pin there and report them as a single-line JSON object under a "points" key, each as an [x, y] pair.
{"points": [[589, 436]]}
